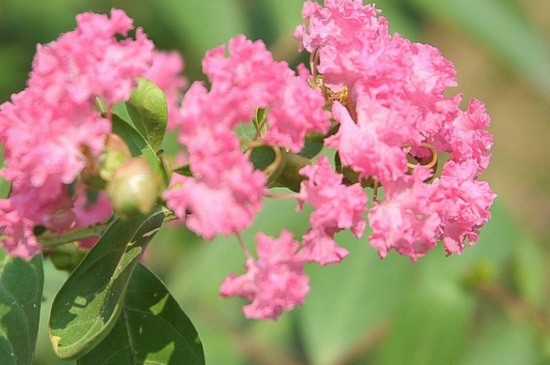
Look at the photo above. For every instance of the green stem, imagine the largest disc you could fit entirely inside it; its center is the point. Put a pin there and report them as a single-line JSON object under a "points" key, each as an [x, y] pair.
{"points": [[50, 239]]}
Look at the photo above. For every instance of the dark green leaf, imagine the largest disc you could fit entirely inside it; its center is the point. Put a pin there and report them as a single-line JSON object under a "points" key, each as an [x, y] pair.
{"points": [[21, 285], [184, 170], [148, 109], [89, 303], [139, 146], [311, 149], [262, 157], [152, 329]]}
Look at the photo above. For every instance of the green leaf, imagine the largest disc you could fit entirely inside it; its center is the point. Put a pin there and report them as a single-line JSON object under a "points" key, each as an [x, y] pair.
{"points": [[152, 329], [139, 146], [259, 119], [184, 170], [148, 109], [88, 305], [311, 149], [21, 285], [261, 157]]}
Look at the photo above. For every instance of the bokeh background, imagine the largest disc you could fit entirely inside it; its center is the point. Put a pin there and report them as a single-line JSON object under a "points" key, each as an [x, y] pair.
{"points": [[488, 306]]}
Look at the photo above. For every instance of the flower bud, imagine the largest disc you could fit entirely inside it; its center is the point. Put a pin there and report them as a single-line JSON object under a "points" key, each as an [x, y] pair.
{"points": [[115, 154], [133, 188]]}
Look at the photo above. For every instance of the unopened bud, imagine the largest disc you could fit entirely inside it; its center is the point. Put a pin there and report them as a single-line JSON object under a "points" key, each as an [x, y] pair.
{"points": [[133, 188], [115, 154]]}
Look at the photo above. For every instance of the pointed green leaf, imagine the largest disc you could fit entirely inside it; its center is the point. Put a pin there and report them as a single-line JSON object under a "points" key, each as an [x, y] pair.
{"points": [[152, 329], [88, 305], [184, 170], [139, 146], [21, 285], [148, 109]]}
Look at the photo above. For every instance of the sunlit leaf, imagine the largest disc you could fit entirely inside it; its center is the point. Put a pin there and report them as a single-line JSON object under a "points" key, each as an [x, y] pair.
{"points": [[88, 305], [149, 112], [152, 329]]}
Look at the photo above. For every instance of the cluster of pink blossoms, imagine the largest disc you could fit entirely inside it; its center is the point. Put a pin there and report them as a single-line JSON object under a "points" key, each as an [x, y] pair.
{"points": [[376, 99], [392, 120], [52, 129]]}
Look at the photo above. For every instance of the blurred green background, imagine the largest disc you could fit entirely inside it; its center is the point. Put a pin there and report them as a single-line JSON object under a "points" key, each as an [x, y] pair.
{"points": [[488, 306]]}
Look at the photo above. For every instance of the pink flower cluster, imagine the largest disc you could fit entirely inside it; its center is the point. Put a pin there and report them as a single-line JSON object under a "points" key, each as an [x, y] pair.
{"points": [[375, 98], [397, 108], [225, 191], [52, 129], [386, 94]]}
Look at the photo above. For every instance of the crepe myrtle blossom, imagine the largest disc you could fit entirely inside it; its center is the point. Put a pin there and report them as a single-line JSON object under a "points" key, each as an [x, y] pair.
{"points": [[51, 130], [225, 191], [378, 102], [274, 283], [394, 120]]}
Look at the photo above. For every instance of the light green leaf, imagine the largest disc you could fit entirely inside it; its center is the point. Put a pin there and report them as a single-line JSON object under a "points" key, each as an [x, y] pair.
{"points": [[88, 305], [152, 329], [149, 112], [21, 285]]}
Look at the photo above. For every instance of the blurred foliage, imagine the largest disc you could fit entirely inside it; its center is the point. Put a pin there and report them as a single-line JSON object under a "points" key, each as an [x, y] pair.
{"points": [[487, 306]]}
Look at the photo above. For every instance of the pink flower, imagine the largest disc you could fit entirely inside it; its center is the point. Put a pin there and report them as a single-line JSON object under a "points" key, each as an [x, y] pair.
{"points": [[224, 205], [337, 207], [362, 145], [90, 62], [165, 72], [465, 205], [274, 283], [17, 232], [50, 130], [249, 79], [407, 220], [467, 137]]}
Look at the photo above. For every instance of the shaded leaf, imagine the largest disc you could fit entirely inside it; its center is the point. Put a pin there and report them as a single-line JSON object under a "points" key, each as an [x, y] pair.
{"points": [[149, 112], [152, 329], [184, 170], [21, 285], [261, 157], [311, 149], [86, 308]]}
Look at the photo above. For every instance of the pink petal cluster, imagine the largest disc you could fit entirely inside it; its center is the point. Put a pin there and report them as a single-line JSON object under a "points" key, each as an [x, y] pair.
{"points": [[166, 73], [397, 107], [337, 207], [50, 129], [274, 283], [407, 219], [254, 80], [225, 191]]}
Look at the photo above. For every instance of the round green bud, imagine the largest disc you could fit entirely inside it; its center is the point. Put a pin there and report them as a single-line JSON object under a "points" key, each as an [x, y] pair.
{"points": [[133, 188]]}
